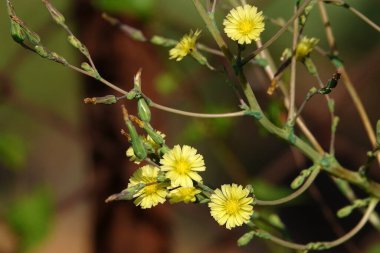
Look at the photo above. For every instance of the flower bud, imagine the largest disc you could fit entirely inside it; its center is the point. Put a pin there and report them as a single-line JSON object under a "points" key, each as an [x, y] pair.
{"points": [[245, 239], [137, 143], [143, 110], [17, 32]]}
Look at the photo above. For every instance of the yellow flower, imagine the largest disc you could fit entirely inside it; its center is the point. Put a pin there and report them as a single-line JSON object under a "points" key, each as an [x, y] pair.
{"points": [[149, 141], [182, 165], [183, 194], [244, 24], [231, 205], [185, 46], [153, 193], [305, 46]]}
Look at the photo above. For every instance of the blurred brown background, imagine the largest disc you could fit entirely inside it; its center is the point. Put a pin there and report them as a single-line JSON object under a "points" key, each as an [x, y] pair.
{"points": [[60, 159]]}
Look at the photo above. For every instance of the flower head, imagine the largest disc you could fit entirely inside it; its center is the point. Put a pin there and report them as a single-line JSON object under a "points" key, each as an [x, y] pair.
{"points": [[244, 24], [182, 165], [231, 205], [153, 193], [183, 194], [305, 46], [185, 46]]}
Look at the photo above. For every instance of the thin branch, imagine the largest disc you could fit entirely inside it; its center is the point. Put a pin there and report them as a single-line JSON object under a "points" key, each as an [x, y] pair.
{"points": [[347, 81], [197, 115], [293, 68], [322, 245]]}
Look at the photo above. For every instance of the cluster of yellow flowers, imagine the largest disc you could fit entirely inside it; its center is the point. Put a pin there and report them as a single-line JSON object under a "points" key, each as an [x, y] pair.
{"points": [[231, 205], [243, 24]]}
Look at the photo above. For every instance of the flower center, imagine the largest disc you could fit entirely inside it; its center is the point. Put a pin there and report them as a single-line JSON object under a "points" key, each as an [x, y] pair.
{"points": [[150, 189], [245, 26], [232, 206], [182, 166]]}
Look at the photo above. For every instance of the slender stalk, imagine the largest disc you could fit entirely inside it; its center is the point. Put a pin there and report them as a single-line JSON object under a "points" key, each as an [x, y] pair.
{"points": [[347, 81], [292, 196], [293, 69], [269, 69], [197, 115], [357, 13], [323, 245]]}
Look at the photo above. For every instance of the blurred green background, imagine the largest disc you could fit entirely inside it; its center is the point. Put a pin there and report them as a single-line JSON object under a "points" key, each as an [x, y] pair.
{"points": [[59, 158]]}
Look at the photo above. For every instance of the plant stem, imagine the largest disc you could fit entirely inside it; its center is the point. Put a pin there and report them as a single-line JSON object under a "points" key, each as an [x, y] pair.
{"points": [[293, 68], [197, 115], [346, 79], [292, 196], [335, 168], [323, 245]]}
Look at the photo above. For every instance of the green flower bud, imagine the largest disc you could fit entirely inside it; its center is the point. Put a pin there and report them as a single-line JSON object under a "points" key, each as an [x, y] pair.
{"points": [[161, 41], [137, 143], [109, 99], [85, 66], [41, 51], [77, 44], [55, 14], [246, 238], [17, 32], [143, 110], [32, 37], [344, 212], [156, 137]]}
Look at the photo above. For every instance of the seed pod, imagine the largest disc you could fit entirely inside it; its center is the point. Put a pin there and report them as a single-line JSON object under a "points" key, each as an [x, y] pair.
{"points": [[17, 32], [143, 110]]}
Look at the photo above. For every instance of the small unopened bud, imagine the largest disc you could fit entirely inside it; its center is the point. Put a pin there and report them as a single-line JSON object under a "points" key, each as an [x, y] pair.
{"points": [[109, 99], [137, 81], [57, 58], [246, 238], [156, 137], [17, 32], [143, 110], [344, 212], [126, 194], [77, 44], [136, 141], [32, 37], [300, 179], [55, 14], [161, 41], [41, 51], [92, 72], [305, 47]]}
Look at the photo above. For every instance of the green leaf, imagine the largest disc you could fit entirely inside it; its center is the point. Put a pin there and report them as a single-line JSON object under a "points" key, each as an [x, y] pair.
{"points": [[141, 8], [30, 216], [12, 151]]}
